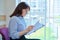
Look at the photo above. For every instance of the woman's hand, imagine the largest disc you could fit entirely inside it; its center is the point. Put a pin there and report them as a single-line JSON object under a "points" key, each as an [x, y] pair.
{"points": [[26, 31], [30, 28]]}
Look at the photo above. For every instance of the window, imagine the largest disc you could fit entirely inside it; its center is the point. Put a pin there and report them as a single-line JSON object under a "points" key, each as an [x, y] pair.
{"points": [[37, 13], [47, 12]]}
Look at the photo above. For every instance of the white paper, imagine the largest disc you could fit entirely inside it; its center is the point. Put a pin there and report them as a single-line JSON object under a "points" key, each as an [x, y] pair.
{"points": [[36, 27]]}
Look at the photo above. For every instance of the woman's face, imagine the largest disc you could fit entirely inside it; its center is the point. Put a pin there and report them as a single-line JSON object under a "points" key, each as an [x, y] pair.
{"points": [[25, 11]]}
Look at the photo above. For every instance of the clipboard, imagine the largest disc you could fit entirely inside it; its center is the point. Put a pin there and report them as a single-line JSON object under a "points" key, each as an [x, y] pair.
{"points": [[37, 26]]}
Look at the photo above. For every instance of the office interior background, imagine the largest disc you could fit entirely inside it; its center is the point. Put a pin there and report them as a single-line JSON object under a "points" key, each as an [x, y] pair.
{"points": [[45, 11]]}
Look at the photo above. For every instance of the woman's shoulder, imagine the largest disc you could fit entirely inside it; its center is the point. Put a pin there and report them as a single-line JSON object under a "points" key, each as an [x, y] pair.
{"points": [[14, 18]]}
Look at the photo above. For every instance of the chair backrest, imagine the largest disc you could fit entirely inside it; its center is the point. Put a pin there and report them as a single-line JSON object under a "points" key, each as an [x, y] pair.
{"points": [[5, 34]]}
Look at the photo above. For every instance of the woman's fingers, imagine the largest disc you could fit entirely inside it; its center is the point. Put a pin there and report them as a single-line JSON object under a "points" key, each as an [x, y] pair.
{"points": [[30, 28]]}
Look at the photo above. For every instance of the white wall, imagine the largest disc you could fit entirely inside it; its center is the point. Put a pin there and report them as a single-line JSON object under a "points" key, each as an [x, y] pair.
{"points": [[9, 6], [1, 7], [6, 8]]}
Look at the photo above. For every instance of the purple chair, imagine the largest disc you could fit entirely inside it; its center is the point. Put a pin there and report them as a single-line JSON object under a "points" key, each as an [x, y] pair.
{"points": [[4, 32]]}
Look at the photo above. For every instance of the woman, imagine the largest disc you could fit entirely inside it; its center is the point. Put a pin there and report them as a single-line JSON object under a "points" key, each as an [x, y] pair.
{"points": [[17, 25]]}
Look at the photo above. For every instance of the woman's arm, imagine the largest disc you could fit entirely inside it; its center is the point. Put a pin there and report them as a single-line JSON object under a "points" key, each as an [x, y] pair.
{"points": [[26, 31], [13, 29]]}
